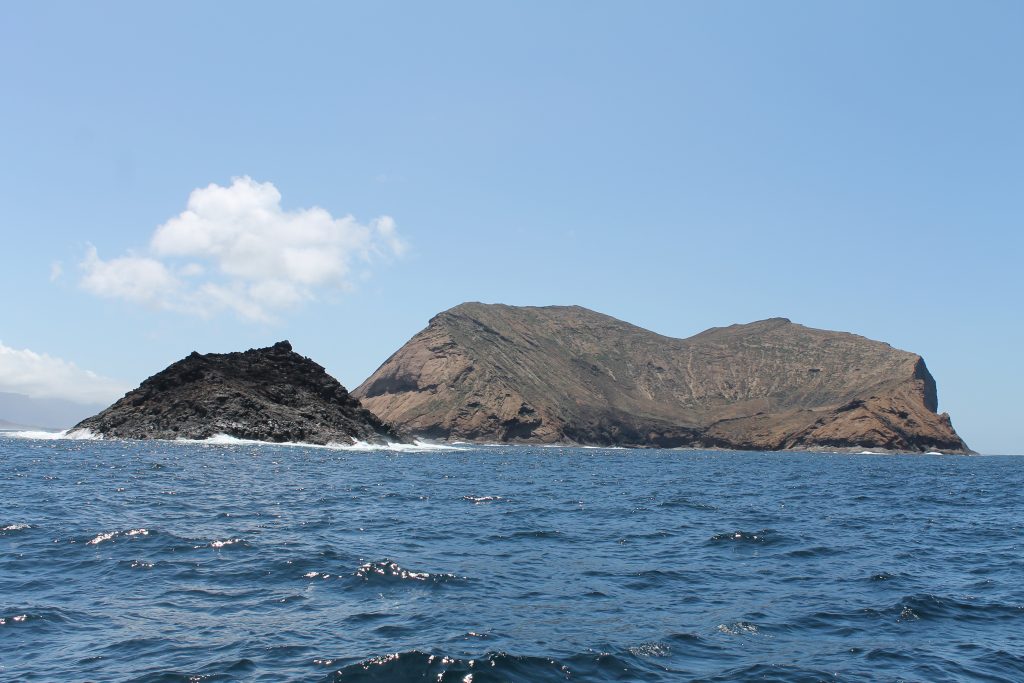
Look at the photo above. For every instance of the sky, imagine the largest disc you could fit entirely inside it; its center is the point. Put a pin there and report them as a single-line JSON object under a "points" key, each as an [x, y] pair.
{"points": [[219, 176]]}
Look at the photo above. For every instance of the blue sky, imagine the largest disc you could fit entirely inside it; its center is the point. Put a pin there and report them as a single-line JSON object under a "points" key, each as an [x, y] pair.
{"points": [[852, 166]]}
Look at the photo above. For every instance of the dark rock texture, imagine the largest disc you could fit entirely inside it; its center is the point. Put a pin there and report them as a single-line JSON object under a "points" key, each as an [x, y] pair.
{"points": [[270, 394], [558, 374]]}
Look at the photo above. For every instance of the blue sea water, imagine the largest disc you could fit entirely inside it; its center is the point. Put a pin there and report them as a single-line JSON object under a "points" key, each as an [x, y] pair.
{"points": [[131, 561]]}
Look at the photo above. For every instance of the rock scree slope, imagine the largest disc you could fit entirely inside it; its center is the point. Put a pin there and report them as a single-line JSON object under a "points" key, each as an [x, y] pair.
{"points": [[270, 394], [566, 374]]}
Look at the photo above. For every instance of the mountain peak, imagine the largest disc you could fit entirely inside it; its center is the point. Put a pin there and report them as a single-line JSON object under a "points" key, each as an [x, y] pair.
{"points": [[270, 394]]}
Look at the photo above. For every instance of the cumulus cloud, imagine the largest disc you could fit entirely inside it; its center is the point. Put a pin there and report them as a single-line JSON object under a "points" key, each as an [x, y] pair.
{"points": [[39, 375], [235, 248], [134, 278]]}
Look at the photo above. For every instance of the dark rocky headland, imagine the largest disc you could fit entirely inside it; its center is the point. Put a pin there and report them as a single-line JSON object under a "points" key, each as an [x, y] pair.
{"points": [[271, 394], [565, 374]]}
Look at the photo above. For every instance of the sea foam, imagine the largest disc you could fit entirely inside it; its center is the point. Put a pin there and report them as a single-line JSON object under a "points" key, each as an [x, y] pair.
{"points": [[72, 434], [414, 447], [228, 440]]}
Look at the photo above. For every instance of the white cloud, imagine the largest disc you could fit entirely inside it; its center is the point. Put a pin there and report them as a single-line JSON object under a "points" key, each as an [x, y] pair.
{"points": [[56, 270], [39, 375], [234, 248], [135, 278]]}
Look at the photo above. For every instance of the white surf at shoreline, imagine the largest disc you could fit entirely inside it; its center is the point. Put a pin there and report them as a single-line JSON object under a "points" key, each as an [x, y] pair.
{"points": [[414, 447], [417, 446], [228, 440], [67, 434]]}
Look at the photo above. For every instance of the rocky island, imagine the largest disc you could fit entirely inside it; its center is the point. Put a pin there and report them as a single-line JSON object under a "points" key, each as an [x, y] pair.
{"points": [[566, 374], [270, 394]]}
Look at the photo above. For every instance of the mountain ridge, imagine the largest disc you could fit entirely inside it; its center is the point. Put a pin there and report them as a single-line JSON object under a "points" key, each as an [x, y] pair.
{"points": [[554, 374]]}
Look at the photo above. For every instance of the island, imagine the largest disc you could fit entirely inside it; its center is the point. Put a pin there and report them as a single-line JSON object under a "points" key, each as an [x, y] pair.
{"points": [[269, 394], [566, 374]]}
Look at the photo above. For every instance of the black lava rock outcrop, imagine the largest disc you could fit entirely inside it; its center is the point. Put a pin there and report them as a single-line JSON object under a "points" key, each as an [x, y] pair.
{"points": [[271, 394], [565, 374]]}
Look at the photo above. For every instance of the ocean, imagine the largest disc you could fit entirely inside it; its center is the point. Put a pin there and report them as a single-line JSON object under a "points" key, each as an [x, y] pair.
{"points": [[163, 561]]}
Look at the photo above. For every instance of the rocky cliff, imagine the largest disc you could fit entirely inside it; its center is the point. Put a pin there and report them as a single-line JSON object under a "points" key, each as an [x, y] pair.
{"points": [[270, 394], [567, 374]]}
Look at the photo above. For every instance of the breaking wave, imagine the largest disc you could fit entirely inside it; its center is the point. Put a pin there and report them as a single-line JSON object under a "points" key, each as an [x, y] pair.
{"points": [[389, 572], [70, 434], [414, 447], [417, 446], [111, 535]]}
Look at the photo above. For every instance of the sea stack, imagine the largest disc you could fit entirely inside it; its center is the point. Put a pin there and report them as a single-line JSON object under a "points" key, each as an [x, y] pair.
{"points": [[566, 374], [270, 394]]}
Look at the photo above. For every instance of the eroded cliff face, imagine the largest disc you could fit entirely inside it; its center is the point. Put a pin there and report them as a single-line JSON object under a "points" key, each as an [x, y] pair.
{"points": [[271, 394], [567, 374]]}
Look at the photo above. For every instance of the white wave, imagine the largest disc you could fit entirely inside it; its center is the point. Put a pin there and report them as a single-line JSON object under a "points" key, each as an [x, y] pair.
{"points": [[414, 447], [41, 436], [100, 538], [316, 575], [72, 434], [476, 500], [386, 568], [228, 440], [15, 527], [221, 440], [83, 435]]}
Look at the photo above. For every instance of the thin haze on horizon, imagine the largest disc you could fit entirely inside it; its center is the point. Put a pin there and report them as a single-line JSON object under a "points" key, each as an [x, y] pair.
{"points": [[220, 177]]}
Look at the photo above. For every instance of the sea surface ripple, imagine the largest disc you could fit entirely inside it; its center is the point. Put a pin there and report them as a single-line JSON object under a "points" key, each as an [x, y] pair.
{"points": [[129, 561]]}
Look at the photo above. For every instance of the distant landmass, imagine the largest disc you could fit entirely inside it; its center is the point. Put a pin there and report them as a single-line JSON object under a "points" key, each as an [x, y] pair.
{"points": [[270, 394], [18, 411], [8, 426], [566, 374]]}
